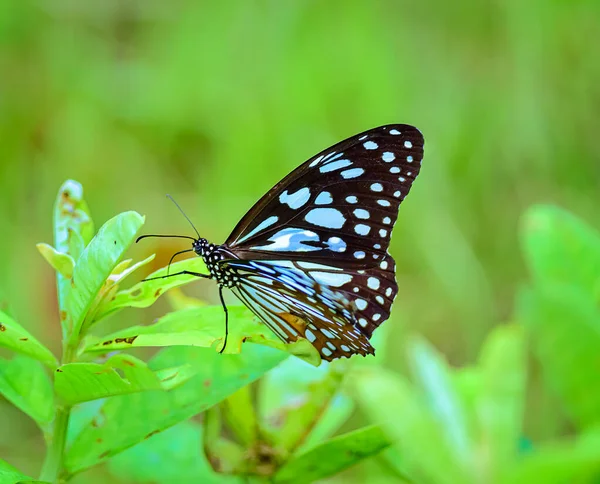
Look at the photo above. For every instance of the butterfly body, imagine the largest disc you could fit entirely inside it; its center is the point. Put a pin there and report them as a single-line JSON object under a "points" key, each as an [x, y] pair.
{"points": [[310, 258]]}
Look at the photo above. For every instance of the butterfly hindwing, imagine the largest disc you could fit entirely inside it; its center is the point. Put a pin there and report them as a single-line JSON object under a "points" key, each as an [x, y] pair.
{"points": [[294, 305]]}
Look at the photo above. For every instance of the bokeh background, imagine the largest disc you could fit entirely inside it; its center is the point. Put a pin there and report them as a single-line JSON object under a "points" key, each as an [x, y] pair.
{"points": [[214, 102]]}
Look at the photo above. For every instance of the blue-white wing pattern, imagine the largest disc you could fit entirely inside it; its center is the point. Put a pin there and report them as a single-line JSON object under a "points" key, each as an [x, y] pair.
{"points": [[315, 247], [293, 305]]}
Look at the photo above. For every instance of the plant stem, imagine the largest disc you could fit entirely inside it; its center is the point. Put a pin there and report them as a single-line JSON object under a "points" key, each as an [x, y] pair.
{"points": [[53, 463], [56, 446]]}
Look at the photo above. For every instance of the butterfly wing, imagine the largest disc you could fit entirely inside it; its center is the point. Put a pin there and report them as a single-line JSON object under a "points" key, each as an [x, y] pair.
{"points": [[294, 305], [339, 206], [332, 219]]}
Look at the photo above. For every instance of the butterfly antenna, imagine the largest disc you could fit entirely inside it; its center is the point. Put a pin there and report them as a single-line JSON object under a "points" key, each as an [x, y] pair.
{"points": [[161, 235], [183, 213], [175, 255]]}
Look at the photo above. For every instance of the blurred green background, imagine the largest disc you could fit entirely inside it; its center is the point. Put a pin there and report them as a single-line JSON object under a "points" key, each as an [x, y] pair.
{"points": [[214, 102]]}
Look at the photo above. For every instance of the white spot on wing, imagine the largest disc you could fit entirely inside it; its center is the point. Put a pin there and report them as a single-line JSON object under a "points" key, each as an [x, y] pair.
{"points": [[361, 213], [316, 161], [329, 218], [326, 351], [376, 187], [362, 229], [383, 232], [370, 145], [260, 227], [331, 279], [394, 169], [373, 283], [361, 304], [359, 254], [297, 199], [383, 265], [351, 199], [334, 165], [310, 336], [352, 173], [409, 159], [407, 144], [291, 239], [388, 157], [394, 131], [383, 203], [336, 244], [324, 198], [387, 220]]}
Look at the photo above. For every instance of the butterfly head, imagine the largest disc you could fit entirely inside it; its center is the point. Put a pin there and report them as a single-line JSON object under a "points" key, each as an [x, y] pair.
{"points": [[202, 247]]}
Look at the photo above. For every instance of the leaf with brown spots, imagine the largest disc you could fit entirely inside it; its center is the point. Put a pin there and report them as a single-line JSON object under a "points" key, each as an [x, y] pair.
{"points": [[16, 338], [120, 374], [145, 293], [203, 326], [61, 262], [97, 263], [135, 415]]}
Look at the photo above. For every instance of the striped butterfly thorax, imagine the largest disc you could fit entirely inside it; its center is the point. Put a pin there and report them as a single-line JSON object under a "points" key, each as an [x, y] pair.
{"points": [[310, 258]]}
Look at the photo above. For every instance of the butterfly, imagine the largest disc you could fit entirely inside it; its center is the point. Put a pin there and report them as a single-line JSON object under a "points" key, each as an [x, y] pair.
{"points": [[310, 259]]}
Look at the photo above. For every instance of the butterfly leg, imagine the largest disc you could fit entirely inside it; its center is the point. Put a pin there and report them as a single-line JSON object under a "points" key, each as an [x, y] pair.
{"points": [[197, 274], [226, 318]]}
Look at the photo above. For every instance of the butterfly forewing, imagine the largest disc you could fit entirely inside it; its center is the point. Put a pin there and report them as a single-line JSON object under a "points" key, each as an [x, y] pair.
{"points": [[341, 205]]}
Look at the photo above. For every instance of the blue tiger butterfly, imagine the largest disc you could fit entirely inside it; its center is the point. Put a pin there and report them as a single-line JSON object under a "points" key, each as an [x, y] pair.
{"points": [[310, 258]]}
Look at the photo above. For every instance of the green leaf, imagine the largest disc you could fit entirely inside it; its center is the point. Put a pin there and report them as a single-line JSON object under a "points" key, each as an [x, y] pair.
{"points": [[14, 337], [559, 462], [561, 248], [201, 326], [240, 414], [145, 293], [73, 228], [10, 475], [333, 456], [500, 401], [412, 424], [111, 285], [301, 416], [120, 374], [225, 456], [434, 377], [96, 264], [301, 405], [564, 324], [61, 262], [126, 420], [174, 455], [25, 383], [173, 377]]}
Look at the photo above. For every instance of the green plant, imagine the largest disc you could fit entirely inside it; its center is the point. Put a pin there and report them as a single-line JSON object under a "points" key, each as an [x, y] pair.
{"points": [[190, 414], [101, 401]]}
